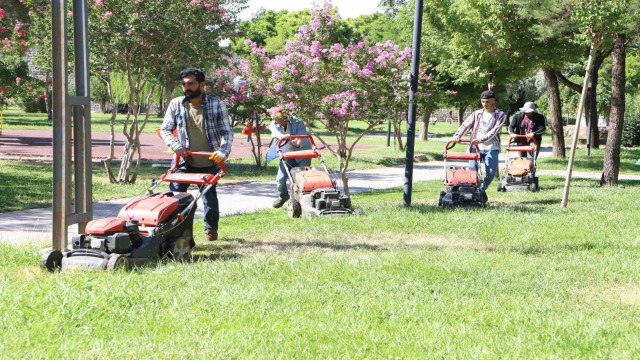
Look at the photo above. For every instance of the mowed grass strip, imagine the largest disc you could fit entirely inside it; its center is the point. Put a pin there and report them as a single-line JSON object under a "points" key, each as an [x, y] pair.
{"points": [[519, 279]]}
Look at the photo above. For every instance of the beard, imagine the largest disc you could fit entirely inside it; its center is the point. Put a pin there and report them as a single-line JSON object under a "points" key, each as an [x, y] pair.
{"points": [[192, 94]]}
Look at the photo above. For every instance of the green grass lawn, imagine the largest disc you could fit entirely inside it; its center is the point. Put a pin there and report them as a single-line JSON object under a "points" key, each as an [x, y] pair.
{"points": [[16, 119], [522, 278], [594, 163]]}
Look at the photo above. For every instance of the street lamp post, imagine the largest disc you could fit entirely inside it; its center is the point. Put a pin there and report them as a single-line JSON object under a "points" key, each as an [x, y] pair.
{"points": [[411, 121]]}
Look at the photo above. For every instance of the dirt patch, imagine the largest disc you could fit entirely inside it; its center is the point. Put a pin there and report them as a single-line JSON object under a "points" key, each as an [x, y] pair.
{"points": [[338, 243], [439, 242], [617, 293]]}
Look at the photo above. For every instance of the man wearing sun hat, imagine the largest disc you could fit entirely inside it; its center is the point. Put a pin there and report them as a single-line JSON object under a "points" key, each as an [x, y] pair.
{"points": [[486, 124], [528, 122]]}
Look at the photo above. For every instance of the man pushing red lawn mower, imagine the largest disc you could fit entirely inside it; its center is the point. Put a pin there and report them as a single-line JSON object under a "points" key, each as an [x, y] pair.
{"points": [[148, 228]]}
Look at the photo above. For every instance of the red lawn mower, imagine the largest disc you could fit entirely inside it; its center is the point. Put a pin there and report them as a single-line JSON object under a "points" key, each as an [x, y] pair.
{"points": [[520, 171], [461, 184], [148, 228], [314, 191]]}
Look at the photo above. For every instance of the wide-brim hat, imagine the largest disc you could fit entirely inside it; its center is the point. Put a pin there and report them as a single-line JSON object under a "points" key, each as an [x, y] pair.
{"points": [[528, 107]]}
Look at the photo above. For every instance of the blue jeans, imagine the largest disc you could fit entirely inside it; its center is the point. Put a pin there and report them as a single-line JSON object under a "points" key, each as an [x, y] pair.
{"points": [[281, 178], [490, 159], [210, 198]]}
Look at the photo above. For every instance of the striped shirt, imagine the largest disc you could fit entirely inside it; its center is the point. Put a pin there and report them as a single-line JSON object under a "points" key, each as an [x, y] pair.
{"points": [[216, 123], [486, 129]]}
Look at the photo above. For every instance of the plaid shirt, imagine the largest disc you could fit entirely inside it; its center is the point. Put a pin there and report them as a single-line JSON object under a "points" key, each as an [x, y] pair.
{"points": [[489, 139], [216, 123]]}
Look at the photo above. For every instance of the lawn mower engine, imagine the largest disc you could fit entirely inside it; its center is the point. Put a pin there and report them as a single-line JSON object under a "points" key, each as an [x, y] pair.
{"points": [[314, 194], [462, 189], [150, 227], [462, 185]]}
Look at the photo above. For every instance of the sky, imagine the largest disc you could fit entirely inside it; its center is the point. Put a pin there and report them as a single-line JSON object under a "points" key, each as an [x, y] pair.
{"points": [[346, 8]]}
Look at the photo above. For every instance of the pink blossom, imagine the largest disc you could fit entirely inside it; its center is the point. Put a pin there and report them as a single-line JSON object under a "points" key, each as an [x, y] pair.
{"points": [[29, 88], [4, 89], [36, 99], [21, 33], [17, 27], [107, 15], [70, 13], [315, 24], [277, 87], [3, 30], [222, 10], [18, 80], [2, 13], [44, 96], [98, 3]]}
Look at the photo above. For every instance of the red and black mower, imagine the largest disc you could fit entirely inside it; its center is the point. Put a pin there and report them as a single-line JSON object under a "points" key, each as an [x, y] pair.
{"points": [[148, 228], [314, 190], [520, 171], [462, 184]]}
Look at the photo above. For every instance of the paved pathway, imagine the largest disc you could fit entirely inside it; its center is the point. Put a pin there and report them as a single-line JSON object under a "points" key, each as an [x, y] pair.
{"points": [[234, 198]]}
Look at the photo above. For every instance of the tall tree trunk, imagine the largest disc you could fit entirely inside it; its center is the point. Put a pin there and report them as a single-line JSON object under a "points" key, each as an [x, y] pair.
{"points": [[461, 111], [616, 122], [170, 84], [555, 113], [397, 131], [424, 126]]}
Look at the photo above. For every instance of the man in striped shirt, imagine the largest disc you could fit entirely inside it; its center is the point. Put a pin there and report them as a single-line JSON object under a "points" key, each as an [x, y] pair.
{"points": [[203, 125], [486, 124]]}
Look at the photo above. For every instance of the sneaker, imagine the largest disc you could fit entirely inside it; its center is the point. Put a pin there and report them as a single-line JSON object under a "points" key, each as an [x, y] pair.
{"points": [[211, 235], [279, 202]]}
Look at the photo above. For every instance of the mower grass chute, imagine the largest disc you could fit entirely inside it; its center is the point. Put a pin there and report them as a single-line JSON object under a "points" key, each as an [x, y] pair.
{"points": [[314, 191], [462, 184], [520, 172], [148, 228]]}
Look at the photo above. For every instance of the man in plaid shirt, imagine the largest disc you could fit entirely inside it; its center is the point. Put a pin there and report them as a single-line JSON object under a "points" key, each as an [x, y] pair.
{"points": [[202, 125], [485, 125]]}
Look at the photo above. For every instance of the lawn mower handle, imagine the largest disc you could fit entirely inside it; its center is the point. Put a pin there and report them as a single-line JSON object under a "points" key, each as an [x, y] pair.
{"points": [[223, 167], [514, 137], [281, 141], [465, 156]]}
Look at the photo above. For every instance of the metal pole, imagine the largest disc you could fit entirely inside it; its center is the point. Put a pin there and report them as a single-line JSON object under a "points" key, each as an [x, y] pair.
{"points": [[411, 120], [583, 96], [82, 115], [61, 127], [389, 133]]}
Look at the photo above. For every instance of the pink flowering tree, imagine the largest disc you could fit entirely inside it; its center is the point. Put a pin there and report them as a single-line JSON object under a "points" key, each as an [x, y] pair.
{"points": [[146, 42], [15, 81], [246, 101], [319, 79]]}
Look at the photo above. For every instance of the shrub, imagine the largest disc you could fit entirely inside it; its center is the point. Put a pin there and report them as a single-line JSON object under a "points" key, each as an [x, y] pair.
{"points": [[631, 129]]}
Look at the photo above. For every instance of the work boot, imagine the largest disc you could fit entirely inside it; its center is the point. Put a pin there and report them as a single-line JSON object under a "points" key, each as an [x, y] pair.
{"points": [[211, 235], [280, 201]]}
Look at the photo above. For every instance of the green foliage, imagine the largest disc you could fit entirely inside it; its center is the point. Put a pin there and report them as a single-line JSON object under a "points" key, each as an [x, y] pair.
{"points": [[631, 130], [270, 30], [377, 28], [476, 41]]}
